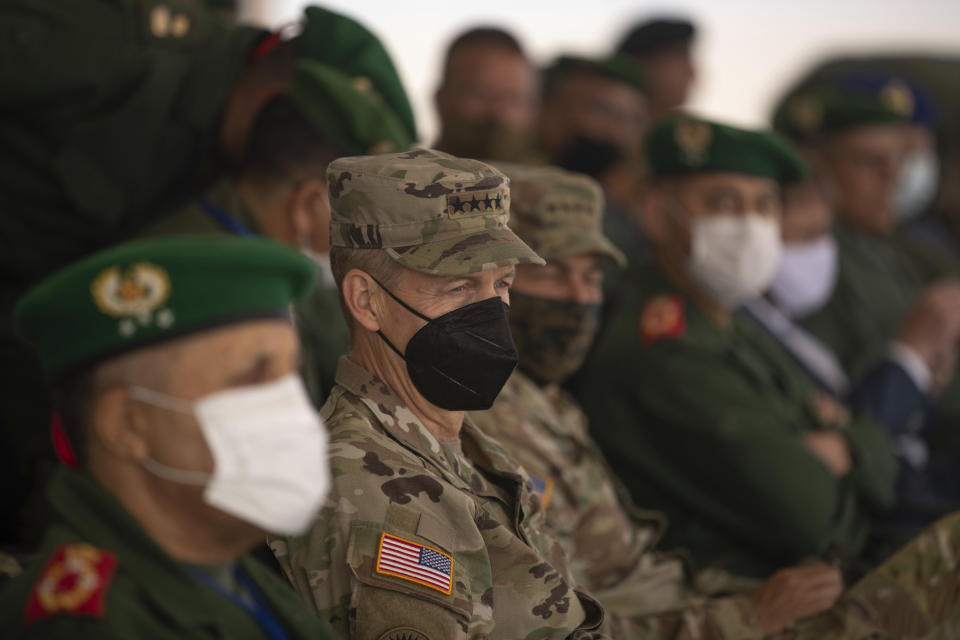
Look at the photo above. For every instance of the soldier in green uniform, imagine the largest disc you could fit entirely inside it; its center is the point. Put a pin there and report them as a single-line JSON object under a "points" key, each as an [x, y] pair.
{"points": [[886, 281], [699, 414], [280, 189], [175, 364], [157, 100], [431, 530]]}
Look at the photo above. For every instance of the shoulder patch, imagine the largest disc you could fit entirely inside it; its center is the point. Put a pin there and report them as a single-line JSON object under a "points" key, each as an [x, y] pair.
{"points": [[408, 560], [404, 633], [74, 581], [663, 317]]}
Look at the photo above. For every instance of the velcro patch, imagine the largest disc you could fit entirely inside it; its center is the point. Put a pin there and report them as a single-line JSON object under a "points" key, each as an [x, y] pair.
{"points": [[663, 317], [74, 581], [415, 562], [542, 487]]}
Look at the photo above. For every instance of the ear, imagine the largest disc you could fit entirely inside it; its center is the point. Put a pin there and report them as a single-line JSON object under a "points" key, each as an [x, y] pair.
{"points": [[308, 213], [358, 289], [117, 427]]}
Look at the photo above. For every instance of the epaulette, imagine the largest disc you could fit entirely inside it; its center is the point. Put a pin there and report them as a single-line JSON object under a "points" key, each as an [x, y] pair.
{"points": [[662, 317], [74, 582]]}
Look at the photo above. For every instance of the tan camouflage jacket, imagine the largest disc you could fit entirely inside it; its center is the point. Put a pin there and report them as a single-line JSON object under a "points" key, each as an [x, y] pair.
{"points": [[420, 539], [609, 542]]}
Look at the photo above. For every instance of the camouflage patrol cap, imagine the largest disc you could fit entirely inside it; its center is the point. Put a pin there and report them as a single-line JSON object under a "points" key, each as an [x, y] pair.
{"points": [[558, 213], [685, 144], [429, 211]]}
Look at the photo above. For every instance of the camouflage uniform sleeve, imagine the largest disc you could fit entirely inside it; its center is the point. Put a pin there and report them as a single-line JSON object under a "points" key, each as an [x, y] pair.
{"points": [[913, 594], [730, 618], [336, 566]]}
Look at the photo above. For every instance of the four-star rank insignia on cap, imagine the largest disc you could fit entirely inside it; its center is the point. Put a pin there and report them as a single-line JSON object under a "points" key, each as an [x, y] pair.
{"points": [[133, 295], [415, 562], [74, 581], [662, 317]]}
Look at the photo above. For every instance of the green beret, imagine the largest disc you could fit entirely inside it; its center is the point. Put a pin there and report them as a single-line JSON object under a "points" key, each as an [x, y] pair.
{"points": [[615, 67], [138, 293], [349, 112], [814, 113], [558, 213], [346, 45], [430, 211], [684, 144]]}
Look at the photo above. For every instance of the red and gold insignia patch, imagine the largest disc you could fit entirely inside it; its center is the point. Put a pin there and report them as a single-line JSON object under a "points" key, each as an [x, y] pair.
{"points": [[74, 581], [663, 317]]}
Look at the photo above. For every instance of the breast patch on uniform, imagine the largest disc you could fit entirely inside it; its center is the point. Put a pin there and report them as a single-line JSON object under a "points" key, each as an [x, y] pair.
{"points": [[663, 317], [74, 581], [402, 558]]}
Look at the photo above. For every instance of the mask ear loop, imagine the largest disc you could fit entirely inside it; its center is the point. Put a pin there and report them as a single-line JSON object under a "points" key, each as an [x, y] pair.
{"points": [[405, 306]]}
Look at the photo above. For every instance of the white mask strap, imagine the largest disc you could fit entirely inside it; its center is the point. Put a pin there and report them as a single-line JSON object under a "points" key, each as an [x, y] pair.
{"points": [[162, 400], [173, 474]]}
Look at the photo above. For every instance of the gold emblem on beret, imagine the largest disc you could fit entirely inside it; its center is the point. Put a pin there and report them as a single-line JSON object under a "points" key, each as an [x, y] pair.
{"points": [[898, 97], [133, 294], [805, 113], [362, 84], [693, 138]]}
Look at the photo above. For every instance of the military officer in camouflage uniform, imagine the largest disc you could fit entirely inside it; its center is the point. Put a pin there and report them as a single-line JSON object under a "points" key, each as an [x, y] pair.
{"points": [[175, 364], [280, 188], [431, 530]]}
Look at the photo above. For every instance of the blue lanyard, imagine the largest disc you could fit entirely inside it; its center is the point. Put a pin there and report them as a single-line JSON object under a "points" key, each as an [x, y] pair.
{"points": [[225, 219], [259, 611]]}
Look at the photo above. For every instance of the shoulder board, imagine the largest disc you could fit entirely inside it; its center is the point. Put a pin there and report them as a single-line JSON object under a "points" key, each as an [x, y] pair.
{"points": [[664, 316], [74, 581]]}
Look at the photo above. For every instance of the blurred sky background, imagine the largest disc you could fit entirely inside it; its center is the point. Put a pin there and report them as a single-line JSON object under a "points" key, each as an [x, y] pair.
{"points": [[748, 51]]}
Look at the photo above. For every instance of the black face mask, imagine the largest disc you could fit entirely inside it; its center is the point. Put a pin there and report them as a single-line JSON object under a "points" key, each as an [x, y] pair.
{"points": [[459, 361], [589, 156]]}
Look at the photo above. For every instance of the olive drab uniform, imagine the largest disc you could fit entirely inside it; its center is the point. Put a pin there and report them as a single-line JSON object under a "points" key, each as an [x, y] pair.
{"points": [[462, 508], [720, 450], [324, 336], [99, 575]]}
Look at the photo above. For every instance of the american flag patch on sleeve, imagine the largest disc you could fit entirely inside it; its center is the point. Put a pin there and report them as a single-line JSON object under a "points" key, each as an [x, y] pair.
{"points": [[415, 562]]}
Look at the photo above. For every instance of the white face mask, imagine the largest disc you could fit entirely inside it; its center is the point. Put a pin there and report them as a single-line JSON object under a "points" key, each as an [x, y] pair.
{"points": [[734, 257], [917, 187], [269, 450], [806, 277]]}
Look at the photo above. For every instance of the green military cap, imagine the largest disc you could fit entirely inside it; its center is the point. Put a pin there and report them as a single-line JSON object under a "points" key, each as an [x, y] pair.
{"points": [[346, 45], [430, 211], [616, 67], [826, 111], [558, 213], [142, 292], [656, 35], [350, 113], [684, 144]]}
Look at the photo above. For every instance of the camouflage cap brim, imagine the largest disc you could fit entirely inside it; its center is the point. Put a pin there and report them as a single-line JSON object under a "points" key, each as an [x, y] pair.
{"points": [[593, 243], [482, 251]]}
